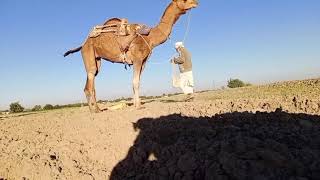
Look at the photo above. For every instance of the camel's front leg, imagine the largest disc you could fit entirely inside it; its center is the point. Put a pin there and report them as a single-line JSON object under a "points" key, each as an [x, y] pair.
{"points": [[137, 70], [136, 87]]}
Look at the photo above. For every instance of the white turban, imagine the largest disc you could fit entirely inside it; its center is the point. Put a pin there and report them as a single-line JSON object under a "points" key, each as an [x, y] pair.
{"points": [[179, 44]]}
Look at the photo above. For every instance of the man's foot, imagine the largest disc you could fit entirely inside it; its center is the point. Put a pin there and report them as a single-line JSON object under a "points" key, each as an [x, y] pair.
{"points": [[189, 98]]}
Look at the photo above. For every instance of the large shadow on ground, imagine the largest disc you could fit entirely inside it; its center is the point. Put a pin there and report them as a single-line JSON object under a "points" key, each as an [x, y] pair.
{"points": [[231, 146]]}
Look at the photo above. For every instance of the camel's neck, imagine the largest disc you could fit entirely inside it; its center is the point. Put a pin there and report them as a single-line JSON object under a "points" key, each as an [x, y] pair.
{"points": [[162, 31]]}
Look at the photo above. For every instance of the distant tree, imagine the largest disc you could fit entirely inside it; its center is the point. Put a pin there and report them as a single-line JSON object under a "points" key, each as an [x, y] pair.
{"points": [[16, 107], [36, 108], [57, 107], [235, 83], [48, 107]]}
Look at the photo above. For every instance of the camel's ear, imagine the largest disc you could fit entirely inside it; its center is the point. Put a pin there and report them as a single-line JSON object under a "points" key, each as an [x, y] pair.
{"points": [[174, 0]]}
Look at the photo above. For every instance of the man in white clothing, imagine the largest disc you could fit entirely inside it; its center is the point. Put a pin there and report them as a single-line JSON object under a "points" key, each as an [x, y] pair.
{"points": [[185, 67]]}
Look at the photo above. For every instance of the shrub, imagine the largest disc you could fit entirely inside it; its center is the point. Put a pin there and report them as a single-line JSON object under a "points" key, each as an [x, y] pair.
{"points": [[235, 83], [36, 108], [57, 107], [48, 107], [16, 107]]}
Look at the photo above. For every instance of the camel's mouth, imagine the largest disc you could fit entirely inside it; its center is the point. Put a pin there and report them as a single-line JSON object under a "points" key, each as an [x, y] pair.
{"points": [[188, 5], [194, 5], [191, 7]]}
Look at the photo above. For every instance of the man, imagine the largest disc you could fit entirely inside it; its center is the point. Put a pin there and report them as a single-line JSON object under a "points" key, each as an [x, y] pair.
{"points": [[185, 67]]}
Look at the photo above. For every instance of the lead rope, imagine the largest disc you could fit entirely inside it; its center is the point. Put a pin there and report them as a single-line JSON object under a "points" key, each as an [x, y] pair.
{"points": [[188, 27], [175, 77]]}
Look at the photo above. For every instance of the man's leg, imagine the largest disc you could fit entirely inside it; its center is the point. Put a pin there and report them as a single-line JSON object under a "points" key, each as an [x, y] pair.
{"points": [[187, 85], [190, 94]]}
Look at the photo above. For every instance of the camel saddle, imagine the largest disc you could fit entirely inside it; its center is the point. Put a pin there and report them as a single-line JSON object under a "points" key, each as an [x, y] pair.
{"points": [[124, 31]]}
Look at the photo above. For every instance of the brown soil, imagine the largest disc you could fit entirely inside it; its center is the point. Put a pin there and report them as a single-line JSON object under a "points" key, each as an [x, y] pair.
{"points": [[264, 132]]}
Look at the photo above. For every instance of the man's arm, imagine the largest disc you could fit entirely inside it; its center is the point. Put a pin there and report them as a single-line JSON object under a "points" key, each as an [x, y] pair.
{"points": [[180, 59]]}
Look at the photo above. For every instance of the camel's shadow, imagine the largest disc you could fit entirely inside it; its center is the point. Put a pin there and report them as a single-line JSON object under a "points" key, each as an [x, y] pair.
{"points": [[274, 145]]}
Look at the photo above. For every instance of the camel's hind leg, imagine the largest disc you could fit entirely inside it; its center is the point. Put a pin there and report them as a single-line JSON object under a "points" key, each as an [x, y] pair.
{"points": [[92, 67]]}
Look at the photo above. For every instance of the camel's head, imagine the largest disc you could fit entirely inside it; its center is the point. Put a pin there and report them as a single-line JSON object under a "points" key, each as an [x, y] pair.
{"points": [[185, 5]]}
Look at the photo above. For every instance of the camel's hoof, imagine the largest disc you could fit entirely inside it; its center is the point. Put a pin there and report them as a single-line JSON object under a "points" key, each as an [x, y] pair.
{"points": [[140, 108], [96, 110]]}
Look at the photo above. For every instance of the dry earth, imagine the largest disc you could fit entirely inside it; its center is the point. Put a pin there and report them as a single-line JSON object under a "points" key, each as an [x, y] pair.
{"points": [[259, 132]]}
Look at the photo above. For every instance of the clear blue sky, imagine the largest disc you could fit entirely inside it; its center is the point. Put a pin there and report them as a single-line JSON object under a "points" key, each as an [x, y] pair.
{"points": [[256, 41]]}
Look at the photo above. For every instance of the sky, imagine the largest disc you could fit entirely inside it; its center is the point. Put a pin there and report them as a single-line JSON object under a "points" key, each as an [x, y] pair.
{"points": [[256, 41]]}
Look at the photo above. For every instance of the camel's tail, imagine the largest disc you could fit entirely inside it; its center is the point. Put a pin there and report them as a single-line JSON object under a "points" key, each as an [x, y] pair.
{"points": [[72, 51]]}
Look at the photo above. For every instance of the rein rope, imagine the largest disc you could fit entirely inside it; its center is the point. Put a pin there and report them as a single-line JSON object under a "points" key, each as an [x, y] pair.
{"points": [[188, 27], [184, 37]]}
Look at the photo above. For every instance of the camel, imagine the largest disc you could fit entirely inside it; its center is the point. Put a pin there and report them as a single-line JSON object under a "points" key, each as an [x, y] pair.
{"points": [[106, 46]]}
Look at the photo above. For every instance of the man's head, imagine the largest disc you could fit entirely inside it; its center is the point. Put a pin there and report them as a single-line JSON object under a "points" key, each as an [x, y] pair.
{"points": [[179, 45]]}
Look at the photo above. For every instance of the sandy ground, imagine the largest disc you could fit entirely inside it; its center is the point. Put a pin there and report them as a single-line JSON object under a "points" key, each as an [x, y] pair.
{"points": [[265, 132]]}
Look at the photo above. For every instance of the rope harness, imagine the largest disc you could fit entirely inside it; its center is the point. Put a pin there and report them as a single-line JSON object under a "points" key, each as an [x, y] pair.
{"points": [[124, 35], [171, 41]]}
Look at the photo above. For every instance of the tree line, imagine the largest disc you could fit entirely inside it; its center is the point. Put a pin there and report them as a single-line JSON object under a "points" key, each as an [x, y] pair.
{"points": [[16, 107]]}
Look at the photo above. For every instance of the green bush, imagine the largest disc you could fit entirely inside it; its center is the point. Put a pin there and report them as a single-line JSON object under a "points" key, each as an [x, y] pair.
{"points": [[36, 108], [235, 83], [48, 107], [57, 107], [16, 107]]}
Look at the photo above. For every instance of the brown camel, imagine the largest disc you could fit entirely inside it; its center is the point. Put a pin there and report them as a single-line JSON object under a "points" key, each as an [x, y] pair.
{"points": [[106, 46]]}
